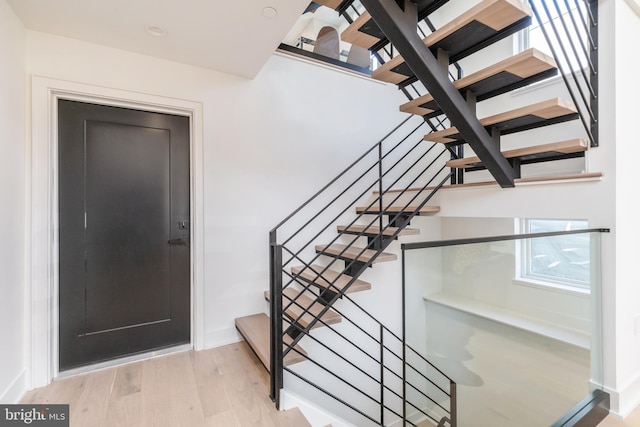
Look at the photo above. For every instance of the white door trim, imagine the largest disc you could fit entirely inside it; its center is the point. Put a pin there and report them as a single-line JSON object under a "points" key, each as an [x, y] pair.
{"points": [[41, 313]]}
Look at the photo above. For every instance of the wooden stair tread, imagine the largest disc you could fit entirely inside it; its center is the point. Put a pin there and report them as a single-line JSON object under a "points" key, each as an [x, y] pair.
{"points": [[375, 230], [517, 71], [333, 4], [355, 253], [398, 209], [481, 25], [302, 302], [330, 279], [554, 148], [364, 32], [540, 114], [255, 329]]}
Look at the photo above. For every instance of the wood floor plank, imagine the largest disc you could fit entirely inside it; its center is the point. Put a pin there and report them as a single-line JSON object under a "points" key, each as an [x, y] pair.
{"points": [[248, 398], [124, 411], [223, 419], [290, 418], [128, 380], [227, 383], [91, 406]]}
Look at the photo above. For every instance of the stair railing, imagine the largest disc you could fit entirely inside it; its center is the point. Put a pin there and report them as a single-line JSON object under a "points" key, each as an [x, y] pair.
{"points": [[399, 162], [571, 32]]}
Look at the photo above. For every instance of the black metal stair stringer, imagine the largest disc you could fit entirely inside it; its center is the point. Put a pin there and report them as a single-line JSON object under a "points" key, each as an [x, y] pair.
{"points": [[400, 27]]}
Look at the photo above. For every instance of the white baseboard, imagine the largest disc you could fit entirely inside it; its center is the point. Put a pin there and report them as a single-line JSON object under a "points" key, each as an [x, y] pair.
{"points": [[626, 398], [221, 337], [16, 390], [317, 417]]}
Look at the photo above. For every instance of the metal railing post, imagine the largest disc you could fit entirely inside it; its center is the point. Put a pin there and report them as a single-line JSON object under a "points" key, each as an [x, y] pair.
{"points": [[592, 6], [381, 375], [275, 315], [454, 407]]}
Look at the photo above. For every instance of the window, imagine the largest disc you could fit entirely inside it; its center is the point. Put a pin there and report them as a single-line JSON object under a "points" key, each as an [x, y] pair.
{"points": [[568, 30], [562, 262]]}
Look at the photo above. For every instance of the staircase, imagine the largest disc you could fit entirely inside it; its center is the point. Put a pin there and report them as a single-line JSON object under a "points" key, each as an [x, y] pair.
{"points": [[320, 252]]}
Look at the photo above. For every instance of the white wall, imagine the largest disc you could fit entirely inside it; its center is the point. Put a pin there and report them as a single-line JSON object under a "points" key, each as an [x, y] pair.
{"points": [[269, 143], [620, 65], [12, 208]]}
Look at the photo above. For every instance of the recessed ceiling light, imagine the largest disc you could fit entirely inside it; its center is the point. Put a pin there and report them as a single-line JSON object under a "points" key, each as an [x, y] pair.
{"points": [[155, 31], [269, 12]]}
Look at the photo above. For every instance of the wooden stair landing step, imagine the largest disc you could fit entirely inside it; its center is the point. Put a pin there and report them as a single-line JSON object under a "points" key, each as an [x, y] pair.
{"points": [[353, 253], [330, 279], [255, 329], [364, 32], [483, 24], [543, 113], [553, 149], [302, 302], [517, 71]]}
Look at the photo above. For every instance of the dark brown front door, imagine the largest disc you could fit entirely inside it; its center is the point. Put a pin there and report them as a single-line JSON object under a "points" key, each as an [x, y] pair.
{"points": [[124, 232]]}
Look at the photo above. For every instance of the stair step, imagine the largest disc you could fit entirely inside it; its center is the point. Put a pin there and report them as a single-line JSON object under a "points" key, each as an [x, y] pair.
{"points": [[544, 113], [529, 154], [255, 329], [520, 70], [333, 4], [330, 279], [303, 302], [373, 231], [425, 210], [364, 32], [483, 24], [353, 253]]}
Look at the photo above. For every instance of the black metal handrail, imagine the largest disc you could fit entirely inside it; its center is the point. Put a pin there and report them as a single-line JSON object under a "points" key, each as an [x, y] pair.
{"points": [[402, 157], [579, 26]]}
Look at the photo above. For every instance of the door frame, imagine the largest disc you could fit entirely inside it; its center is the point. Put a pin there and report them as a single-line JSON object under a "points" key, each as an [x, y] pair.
{"points": [[41, 273]]}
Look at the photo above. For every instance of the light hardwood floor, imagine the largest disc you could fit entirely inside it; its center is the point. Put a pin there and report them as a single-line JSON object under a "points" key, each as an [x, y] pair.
{"points": [[222, 387], [633, 420]]}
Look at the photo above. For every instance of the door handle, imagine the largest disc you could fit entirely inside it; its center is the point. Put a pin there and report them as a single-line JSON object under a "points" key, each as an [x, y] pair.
{"points": [[181, 241]]}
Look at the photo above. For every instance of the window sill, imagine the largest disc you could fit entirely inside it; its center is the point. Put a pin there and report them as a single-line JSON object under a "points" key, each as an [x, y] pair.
{"points": [[553, 287], [510, 318]]}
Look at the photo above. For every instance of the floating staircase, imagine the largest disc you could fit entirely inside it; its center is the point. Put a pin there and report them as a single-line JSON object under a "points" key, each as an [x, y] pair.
{"points": [[482, 25], [317, 275], [303, 307]]}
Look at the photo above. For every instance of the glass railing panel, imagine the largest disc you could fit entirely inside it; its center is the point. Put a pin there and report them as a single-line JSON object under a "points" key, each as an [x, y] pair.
{"points": [[523, 353], [317, 36]]}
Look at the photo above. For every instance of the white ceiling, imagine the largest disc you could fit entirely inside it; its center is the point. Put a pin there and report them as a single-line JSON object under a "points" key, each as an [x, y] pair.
{"points": [[232, 36]]}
